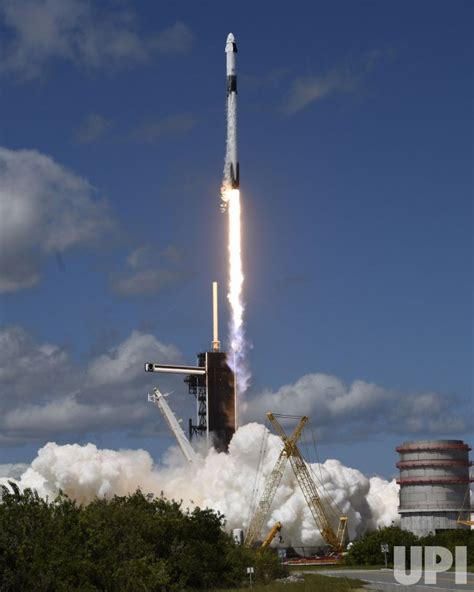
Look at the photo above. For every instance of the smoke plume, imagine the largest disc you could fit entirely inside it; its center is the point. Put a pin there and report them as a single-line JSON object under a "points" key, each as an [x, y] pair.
{"points": [[224, 482]]}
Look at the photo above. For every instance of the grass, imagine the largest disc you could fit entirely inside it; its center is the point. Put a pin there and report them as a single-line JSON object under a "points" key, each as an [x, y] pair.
{"points": [[316, 583]]}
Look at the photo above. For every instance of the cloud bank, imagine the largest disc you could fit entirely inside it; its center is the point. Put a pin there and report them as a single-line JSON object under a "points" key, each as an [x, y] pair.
{"points": [[148, 270], [360, 409], [306, 90], [86, 33], [44, 393], [93, 128], [45, 209]]}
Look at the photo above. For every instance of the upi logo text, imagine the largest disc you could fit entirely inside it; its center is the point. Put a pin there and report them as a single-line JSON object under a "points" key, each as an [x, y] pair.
{"points": [[437, 560]]}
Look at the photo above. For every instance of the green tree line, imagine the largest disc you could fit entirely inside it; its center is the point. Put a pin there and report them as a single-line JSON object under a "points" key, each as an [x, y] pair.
{"points": [[126, 543], [367, 549]]}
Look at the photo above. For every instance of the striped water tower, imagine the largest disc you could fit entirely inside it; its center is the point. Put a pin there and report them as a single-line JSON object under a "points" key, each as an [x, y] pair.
{"points": [[434, 484]]}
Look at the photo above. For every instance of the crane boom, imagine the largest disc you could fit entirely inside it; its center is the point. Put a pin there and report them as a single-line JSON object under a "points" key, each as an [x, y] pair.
{"points": [[159, 399], [271, 485], [308, 487], [270, 536]]}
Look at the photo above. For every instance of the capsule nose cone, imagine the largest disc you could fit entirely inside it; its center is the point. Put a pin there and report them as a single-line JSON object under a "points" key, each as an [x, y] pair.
{"points": [[230, 38]]}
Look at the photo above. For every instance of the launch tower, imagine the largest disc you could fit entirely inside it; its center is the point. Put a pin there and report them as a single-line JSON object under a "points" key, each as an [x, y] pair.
{"points": [[212, 383]]}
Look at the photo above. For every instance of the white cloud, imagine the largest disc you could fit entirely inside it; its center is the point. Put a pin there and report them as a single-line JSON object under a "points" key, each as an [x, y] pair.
{"points": [[309, 89], [44, 209], [126, 361], [150, 270], [87, 33], [349, 78], [93, 128], [12, 470], [44, 393], [352, 411], [155, 130], [176, 39], [145, 282]]}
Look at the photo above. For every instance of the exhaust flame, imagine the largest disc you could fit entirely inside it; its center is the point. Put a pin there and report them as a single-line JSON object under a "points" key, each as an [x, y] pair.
{"points": [[236, 280]]}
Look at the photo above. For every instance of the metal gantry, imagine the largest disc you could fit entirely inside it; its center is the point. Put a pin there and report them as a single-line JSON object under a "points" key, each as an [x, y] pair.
{"points": [[159, 399], [320, 510], [272, 482]]}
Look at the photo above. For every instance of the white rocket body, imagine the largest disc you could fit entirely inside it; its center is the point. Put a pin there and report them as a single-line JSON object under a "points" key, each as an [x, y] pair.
{"points": [[231, 170]]}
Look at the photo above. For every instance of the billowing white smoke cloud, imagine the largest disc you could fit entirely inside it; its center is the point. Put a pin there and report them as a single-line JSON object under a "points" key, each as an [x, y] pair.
{"points": [[223, 482]]}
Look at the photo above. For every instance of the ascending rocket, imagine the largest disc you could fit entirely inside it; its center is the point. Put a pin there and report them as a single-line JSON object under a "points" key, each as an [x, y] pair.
{"points": [[231, 170]]}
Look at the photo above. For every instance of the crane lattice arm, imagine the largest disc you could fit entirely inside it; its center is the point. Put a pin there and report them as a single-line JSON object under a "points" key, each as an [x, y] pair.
{"points": [[465, 514], [270, 536], [159, 399], [271, 485], [308, 487]]}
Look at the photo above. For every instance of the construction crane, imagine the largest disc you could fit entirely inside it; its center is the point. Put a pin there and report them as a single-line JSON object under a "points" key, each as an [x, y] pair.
{"points": [[318, 508], [466, 510], [272, 482], [160, 401], [270, 536]]}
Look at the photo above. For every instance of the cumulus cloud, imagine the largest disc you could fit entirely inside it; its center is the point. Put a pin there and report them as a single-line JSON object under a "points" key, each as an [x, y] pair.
{"points": [[224, 482], [148, 271], [93, 128], [309, 89], [175, 40], [44, 393], [305, 90], [44, 209], [156, 130], [12, 470], [125, 362], [86, 33], [361, 408]]}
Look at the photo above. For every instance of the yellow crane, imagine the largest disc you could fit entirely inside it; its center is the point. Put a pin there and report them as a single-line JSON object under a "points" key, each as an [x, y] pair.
{"points": [[270, 536], [466, 510], [318, 508], [322, 512], [272, 482]]}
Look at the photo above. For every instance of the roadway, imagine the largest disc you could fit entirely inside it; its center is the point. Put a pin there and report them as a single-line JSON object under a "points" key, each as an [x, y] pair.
{"points": [[383, 579]]}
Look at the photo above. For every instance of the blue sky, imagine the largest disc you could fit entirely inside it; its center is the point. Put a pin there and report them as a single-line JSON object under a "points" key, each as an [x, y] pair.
{"points": [[355, 138]]}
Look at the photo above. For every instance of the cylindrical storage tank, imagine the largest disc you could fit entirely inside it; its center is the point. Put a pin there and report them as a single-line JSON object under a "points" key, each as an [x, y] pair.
{"points": [[238, 536], [434, 479]]}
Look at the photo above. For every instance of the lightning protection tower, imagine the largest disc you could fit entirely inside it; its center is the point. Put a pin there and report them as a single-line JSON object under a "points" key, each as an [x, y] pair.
{"points": [[212, 383]]}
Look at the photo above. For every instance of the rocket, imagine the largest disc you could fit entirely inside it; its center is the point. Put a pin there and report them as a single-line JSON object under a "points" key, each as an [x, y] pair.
{"points": [[231, 169]]}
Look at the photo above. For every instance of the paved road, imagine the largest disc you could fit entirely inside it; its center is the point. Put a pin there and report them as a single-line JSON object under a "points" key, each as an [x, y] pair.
{"points": [[384, 580]]}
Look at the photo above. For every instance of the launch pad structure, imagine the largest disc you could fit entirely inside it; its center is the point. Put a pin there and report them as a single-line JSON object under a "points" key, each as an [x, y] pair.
{"points": [[212, 383]]}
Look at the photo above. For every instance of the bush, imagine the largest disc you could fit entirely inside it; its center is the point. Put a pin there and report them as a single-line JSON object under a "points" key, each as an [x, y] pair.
{"points": [[367, 549], [128, 543]]}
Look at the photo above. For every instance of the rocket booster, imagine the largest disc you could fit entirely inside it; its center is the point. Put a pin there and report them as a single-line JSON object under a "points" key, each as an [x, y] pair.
{"points": [[231, 173]]}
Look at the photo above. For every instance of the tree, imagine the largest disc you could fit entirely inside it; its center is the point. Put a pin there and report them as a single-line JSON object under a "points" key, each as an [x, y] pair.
{"points": [[126, 543]]}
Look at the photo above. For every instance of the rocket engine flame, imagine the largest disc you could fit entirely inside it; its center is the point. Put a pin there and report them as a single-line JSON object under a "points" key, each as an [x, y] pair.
{"points": [[235, 294]]}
